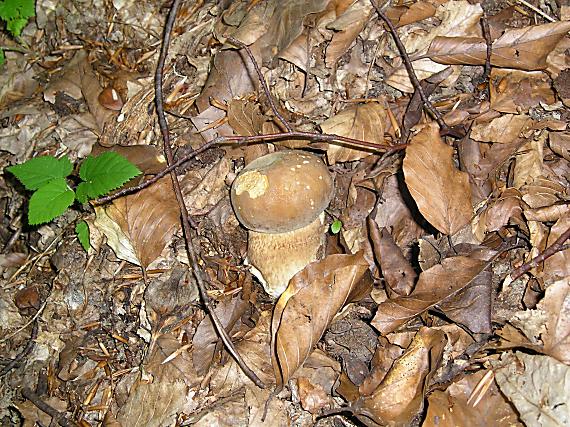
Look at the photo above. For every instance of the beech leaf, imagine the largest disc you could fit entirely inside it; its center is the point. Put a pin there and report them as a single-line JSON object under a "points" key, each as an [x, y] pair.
{"points": [[303, 312], [434, 286], [139, 226], [442, 192], [521, 48]]}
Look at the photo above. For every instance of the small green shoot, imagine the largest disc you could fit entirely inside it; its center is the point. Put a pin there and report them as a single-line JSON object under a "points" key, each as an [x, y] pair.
{"points": [[46, 176], [336, 226]]}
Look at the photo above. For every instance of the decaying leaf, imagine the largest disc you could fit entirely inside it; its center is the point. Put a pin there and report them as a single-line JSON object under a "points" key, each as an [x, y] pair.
{"points": [[254, 349], [434, 286], [152, 403], [504, 129], [515, 91], [557, 267], [364, 122], [138, 227], [400, 396], [303, 312], [537, 386], [442, 192], [458, 405], [396, 269], [522, 48]]}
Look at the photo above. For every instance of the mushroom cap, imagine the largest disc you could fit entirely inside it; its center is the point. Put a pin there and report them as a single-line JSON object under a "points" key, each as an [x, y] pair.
{"points": [[281, 191]]}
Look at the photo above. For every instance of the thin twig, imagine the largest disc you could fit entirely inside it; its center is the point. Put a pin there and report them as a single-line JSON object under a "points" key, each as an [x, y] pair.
{"points": [[242, 45], [410, 69], [44, 407], [557, 246], [239, 139], [184, 212]]}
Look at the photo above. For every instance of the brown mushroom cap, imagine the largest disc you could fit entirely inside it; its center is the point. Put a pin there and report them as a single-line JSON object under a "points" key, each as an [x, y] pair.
{"points": [[281, 192]]}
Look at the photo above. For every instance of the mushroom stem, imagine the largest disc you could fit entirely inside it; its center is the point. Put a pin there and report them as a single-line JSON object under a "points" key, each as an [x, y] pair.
{"points": [[276, 257]]}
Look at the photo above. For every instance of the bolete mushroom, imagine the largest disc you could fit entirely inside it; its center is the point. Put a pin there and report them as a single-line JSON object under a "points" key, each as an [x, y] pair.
{"points": [[280, 198]]}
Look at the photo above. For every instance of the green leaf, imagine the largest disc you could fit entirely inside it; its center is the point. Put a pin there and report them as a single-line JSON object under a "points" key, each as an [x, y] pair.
{"points": [[103, 174], [82, 230], [39, 171], [49, 201], [16, 14], [2, 57], [336, 226]]}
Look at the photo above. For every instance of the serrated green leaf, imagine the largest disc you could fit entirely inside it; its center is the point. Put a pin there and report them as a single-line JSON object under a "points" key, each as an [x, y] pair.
{"points": [[336, 226], [50, 201], [82, 230], [103, 174], [16, 14], [38, 171]]}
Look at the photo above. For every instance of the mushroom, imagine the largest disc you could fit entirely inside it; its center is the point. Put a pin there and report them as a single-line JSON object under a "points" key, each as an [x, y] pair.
{"points": [[110, 99], [280, 198]]}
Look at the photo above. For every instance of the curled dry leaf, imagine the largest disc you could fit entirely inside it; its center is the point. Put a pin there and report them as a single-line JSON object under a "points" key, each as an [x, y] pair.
{"points": [[347, 27], [303, 312], [434, 286], [138, 227], [504, 129], [364, 122], [442, 192], [557, 267], [399, 274], [400, 395], [521, 48]]}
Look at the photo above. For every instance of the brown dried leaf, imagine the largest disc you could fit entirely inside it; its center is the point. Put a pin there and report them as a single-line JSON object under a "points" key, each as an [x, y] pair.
{"points": [[529, 161], [399, 274], [556, 304], [244, 117], [499, 213], [560, 144], [557, 267], [364, 122], [504, 129], [442, 192], [254, 349], [286, 24], [434, 286], [521, 48], [203, 189], [347, 27], [514, 91], [404, 15], [400, 395], [306, 308], [138, 227], [153, 403], [452, 408], [206, 338], [394, 213], [232, 76]]}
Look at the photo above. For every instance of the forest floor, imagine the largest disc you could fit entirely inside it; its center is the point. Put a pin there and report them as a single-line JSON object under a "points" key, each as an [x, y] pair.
{"points": [[440, 294]]}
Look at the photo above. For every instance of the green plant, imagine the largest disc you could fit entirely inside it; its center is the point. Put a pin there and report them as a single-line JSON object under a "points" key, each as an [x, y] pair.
{"points": [[16, 14], [336, 226], [46, 177]]}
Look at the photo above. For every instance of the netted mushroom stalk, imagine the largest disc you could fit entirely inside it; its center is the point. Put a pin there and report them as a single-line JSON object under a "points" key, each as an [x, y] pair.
{"points": [[280, 198]]}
